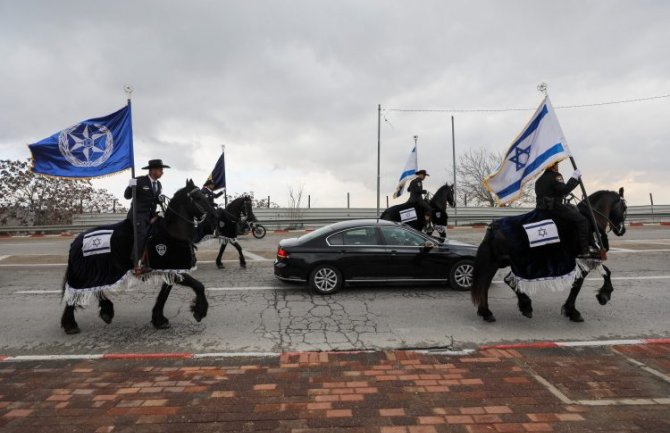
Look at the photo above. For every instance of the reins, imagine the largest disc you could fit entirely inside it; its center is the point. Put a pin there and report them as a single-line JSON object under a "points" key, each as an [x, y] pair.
{"points": [[195, 222]]}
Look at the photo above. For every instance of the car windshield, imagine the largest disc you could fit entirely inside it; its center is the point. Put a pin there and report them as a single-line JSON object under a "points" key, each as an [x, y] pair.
{"points": [[400, 236]]}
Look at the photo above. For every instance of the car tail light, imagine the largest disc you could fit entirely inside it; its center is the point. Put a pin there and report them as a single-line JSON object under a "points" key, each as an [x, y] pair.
{"points": [[281, 253]]}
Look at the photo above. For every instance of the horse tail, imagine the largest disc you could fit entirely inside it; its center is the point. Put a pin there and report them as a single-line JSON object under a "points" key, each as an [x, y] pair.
{"points": [[485, 268], [62, 293]]}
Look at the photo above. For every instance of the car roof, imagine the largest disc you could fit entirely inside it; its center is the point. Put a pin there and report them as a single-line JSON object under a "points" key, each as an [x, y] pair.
{"points": [[361, 222]]}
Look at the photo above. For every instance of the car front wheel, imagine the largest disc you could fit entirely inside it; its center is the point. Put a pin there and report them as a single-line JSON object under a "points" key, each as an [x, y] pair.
{"points": [[325, 279], [461, 275]]}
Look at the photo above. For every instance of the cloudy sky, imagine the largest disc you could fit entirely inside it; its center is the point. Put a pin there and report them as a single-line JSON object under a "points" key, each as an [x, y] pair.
{"points": [[291, 87]]}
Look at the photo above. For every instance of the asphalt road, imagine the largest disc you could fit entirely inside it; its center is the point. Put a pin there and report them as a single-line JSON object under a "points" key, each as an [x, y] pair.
{"points": [[250, 311]]}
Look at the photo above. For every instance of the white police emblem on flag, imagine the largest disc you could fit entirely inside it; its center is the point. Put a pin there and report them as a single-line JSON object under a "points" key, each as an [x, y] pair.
{"points": [[161, 249], [86, 145]]}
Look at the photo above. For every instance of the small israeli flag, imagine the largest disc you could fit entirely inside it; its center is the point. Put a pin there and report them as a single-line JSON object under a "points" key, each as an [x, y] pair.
{"points": [[539, 145], [97, 242], [407, 174], [542, 233]]}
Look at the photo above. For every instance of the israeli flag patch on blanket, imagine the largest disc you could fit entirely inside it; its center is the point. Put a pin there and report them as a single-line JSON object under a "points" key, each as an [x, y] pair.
{"points": [[97, 242], [542, 233], [408, 215]]}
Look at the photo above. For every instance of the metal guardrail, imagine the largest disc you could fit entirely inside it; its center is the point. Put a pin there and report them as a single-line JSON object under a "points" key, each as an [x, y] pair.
{"points": [[281, 218]]}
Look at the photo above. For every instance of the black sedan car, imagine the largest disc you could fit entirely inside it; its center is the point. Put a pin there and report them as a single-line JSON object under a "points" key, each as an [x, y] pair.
{"points": [[370, 251]]}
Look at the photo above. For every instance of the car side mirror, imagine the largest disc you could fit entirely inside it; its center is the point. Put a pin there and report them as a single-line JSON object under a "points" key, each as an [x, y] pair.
{"points": [[427, 246]]}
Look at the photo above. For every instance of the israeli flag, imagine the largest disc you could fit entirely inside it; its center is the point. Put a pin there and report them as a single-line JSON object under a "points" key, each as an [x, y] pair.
{"points": [[539, 145], [91, 148], [407, 174], [542, 233]]}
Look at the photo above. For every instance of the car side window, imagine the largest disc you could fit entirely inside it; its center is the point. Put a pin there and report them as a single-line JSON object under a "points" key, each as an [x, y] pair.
{"points": [[357, 236], [401, 237], [336, 239]]}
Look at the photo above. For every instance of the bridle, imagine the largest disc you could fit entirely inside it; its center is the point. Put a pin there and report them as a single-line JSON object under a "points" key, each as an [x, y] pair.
{"points": [[616, 228], [195, 222]]}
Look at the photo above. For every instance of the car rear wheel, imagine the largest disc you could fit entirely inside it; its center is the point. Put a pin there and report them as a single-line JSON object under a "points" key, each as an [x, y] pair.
{"points": [[461, 275], [325, 279]]}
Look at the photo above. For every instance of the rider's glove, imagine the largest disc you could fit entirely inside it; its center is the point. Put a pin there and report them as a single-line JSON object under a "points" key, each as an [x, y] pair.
{"points": [[577, 174], [132, 182]]}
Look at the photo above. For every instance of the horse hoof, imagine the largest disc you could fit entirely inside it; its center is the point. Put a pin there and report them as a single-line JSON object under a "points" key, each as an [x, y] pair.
{"points": [[220, 266], [576, 316], [243, 264], [528, 314], [107, 318], [602, 299], [489, 318], [71, 330], [161, 324]]}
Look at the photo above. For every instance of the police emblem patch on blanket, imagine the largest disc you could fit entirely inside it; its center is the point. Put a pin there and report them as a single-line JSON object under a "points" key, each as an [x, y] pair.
{"points": [[97, 242], [408, 215], [541, 233]]}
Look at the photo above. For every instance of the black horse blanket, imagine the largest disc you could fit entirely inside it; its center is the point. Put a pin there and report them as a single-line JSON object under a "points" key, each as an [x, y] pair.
{"points": [[100, 260], [542, 251]]}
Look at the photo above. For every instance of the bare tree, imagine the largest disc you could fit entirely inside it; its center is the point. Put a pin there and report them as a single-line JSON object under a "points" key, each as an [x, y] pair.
{"points": [[30, 199], [294, 202], [474, 166]]}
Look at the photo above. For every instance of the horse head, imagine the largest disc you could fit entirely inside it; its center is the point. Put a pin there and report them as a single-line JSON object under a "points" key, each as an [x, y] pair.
{"points": [[610, 210], [444, 195], [196, 206], [247, 208]]}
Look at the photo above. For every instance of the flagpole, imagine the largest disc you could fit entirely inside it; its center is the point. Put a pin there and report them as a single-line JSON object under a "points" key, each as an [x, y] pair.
{"points": [[416, 150], [379, 147], [453, 150], [542, 88], [136, 258], [225, 188]]}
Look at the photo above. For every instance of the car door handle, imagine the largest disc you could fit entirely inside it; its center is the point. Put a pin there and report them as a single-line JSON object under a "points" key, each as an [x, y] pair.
{"points": [[394, 252]]}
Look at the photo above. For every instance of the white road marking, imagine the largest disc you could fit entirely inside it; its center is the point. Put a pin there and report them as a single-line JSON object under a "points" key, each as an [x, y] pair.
{"points": [[641, 277], [256, 257], [25, 265], [299, 286]]}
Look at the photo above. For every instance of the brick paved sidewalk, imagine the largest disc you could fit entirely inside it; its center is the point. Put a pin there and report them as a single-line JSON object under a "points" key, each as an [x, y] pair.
{"points": [[615, 389]]}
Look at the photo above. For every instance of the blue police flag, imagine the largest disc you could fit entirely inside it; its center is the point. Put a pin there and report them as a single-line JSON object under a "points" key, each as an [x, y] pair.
{"points": [[91, 148], [218, 175]]}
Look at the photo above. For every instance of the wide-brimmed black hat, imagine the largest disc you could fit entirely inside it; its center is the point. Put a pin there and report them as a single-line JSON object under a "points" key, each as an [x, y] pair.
{"points": [[155, 163], [422, 172]]}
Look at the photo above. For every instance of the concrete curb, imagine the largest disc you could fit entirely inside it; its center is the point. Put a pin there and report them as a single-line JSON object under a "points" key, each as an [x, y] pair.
{"points": [[450, 352]]}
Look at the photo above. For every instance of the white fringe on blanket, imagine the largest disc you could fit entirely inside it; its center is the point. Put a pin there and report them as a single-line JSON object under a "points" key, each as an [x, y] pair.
{"points": [[82, 297], [555, 284]]}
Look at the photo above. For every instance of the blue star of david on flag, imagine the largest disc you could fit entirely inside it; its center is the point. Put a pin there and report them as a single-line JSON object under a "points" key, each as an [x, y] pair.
{"points": [[520, 157], [91, 148]]}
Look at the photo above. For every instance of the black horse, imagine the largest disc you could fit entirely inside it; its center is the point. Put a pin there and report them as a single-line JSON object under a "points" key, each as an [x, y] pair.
{"points": [[609, 209], [438, 217], [230, 220], [171, 233]]}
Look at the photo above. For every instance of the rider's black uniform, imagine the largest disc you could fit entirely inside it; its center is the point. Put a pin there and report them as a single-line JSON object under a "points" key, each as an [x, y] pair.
{"points": [[551, 192], [146, 200], [211, 195], [416, 192]]}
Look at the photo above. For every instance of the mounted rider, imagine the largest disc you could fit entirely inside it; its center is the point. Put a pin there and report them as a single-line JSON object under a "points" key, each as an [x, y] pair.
{"points": [[416, 193], [208, 190], [147, 198], [551, 191]]}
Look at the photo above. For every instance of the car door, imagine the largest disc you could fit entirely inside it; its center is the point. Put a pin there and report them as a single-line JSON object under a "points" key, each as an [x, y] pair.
{"points": [[360, 253], [409, 258]]}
